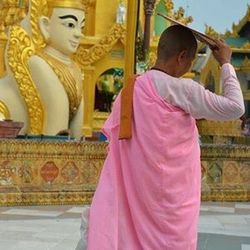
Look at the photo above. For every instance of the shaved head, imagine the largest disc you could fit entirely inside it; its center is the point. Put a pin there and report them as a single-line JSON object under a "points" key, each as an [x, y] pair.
{"points": [[174, 40]]}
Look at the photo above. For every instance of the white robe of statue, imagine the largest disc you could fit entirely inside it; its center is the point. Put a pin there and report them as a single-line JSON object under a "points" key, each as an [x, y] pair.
{"points": [[62, 32]]}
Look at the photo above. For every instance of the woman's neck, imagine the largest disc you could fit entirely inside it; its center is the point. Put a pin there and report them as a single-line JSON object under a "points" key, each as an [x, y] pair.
{"points": [[167, 67]]}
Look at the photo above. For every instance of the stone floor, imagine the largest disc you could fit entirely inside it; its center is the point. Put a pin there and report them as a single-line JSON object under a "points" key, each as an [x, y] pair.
{"points": [[222, 226]]}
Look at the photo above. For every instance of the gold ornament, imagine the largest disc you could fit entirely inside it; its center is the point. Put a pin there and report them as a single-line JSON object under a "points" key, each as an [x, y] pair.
{"points": [[179, 15], [11, 12], [237, 27], [210, 31], [245, 66], [169, 5], [38, 8], [67, 78], [74, 4], [19, 51], [4, 110], [104, 46]]}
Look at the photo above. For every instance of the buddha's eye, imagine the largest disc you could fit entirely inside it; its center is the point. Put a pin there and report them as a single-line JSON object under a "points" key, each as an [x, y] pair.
{"points": [[70, 25]]}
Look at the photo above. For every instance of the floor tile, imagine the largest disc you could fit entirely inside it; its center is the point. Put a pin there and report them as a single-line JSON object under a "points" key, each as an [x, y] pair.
{"points": [[221, 227], [222, 209], [32, 212], [245, 247], [242, 205], [75, 210]]}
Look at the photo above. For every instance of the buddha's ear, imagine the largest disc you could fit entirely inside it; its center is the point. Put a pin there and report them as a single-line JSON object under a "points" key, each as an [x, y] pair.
{"points": [[44, 24]]}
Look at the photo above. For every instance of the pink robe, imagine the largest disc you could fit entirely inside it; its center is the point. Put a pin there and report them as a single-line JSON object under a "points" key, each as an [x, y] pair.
{"points": [[148, 195]]}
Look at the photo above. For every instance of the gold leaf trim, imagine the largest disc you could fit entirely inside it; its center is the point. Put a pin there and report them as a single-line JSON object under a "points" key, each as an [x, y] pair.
{"points": [[246, 45], [4, 110], [87, 57], [245, 66], [38, 8], [237, 27], [68, 80], [210, 31], [19, 51], [75, 4]]}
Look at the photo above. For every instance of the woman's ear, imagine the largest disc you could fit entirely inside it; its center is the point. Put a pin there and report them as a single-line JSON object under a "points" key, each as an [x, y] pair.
{"points": [[182, 56], [44, 25]]}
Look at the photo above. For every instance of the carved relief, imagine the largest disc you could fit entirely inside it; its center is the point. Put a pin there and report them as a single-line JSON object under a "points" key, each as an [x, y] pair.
{"points": [[91, 172], [231, 172], [87, 57], [214, 172], [6, 173], [49, 172], [245, 172], [204, 169], [70, 172], [38, 8], [20, 49], [11, 12], [52, 161], [26, 173]]}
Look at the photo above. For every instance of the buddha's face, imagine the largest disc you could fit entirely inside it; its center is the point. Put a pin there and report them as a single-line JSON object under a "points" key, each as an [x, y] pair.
{"points": [[63, 30]]}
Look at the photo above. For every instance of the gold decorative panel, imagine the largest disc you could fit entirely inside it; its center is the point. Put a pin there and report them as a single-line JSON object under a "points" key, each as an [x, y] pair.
{"points": [[64, 172], [40, 172], [225, 172]]}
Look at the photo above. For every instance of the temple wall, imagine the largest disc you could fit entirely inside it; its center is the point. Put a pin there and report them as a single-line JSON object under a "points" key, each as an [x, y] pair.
{"points": [[43, 172], [225, 172]]}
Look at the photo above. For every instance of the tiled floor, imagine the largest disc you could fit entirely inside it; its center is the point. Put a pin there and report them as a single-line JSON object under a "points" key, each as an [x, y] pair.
{"points": [[222, 226]]}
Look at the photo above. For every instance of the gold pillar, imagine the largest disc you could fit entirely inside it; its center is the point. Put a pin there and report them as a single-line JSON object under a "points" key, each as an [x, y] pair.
{"points": [[3, 42], [148, 11], [89, 100], [130, 38]]}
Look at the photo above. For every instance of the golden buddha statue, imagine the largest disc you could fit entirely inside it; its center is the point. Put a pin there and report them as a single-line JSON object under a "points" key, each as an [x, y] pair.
{"points": [[48, 93]]}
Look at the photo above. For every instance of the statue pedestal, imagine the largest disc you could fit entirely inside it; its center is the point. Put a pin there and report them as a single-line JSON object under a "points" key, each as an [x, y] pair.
{"points": [[10, 129], [35, 172], [225, 172], [47, 172]]}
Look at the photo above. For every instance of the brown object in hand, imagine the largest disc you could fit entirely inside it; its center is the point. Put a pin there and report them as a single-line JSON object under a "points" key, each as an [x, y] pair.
{"points": [[10, 129], [210, 41], [126, 111]]}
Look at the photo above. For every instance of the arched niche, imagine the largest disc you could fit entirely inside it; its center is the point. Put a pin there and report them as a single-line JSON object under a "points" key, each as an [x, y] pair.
{"points": [[93, 119], [108, 86]]}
